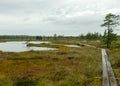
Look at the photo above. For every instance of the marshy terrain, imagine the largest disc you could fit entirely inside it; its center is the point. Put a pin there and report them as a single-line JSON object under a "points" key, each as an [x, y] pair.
{"points": [[64, 66]]}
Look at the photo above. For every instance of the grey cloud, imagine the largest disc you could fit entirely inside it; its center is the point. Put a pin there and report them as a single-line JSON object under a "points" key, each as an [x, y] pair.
{"points": [[54, 16]]}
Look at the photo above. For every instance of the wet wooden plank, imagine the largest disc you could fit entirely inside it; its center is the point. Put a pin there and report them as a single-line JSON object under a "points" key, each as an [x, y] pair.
{"points": [[108, 74], [105, 72]]}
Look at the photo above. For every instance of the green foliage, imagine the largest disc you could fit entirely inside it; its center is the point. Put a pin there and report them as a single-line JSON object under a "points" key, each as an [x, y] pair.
{"points": [[104, 38], [16, 37], [113, 44], [111, 21], [112, 38], [91, 36], [38, 37]]}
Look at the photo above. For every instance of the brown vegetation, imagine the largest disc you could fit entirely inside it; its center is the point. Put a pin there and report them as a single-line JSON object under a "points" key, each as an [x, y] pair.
{"points": [[64, 67]]}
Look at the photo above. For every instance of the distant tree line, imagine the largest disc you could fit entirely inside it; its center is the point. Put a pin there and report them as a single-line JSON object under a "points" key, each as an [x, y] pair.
{"points": [[88, 36], [16, 37], [91, 36]]}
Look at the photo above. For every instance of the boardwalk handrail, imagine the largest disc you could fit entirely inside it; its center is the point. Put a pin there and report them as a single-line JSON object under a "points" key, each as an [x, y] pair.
{"points": [[108, 74]]}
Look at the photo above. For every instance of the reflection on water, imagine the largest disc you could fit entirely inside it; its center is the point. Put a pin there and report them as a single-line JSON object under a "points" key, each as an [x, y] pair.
{"points": [[20, 46]]}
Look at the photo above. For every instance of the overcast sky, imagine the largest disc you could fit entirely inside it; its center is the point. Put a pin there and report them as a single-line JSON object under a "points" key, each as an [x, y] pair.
{"points": [[47, 17]]}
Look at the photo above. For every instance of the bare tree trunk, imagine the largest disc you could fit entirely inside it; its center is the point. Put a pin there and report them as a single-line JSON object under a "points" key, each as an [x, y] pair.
{"points": [[108, 38]]}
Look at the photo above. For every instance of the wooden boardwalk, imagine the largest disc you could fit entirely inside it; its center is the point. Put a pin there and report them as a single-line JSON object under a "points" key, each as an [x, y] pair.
{"points": [[108, 75]]}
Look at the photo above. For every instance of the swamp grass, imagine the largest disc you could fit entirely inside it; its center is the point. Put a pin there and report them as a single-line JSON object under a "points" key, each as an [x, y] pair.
{"points": [[63, 67], [114, 57]]}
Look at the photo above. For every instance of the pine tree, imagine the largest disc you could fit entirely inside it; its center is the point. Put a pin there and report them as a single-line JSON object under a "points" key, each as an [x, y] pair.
{"points": [[111, 21]]}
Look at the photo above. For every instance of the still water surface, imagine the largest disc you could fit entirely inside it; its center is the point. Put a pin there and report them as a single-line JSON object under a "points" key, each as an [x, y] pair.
{"points": [[21, 46]]}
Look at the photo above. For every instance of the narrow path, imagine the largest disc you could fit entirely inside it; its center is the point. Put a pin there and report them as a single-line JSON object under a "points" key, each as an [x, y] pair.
{"points": [[108, 75]]}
